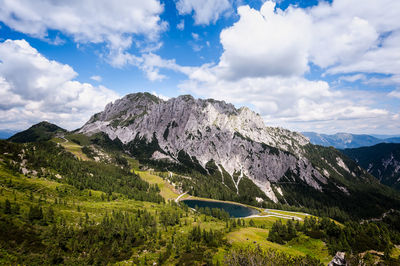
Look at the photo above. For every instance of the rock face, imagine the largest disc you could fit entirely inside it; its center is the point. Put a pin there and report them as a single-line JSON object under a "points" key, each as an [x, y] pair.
{"points": [[338, 260], [236, 140]]}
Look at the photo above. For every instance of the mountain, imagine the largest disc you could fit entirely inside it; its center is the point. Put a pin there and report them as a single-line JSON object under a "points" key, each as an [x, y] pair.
{"points": [[381, 160], [228, 153], [393, 140], [40, 132], [58, 198], [379, 136], [5, 134], [347, 140]]}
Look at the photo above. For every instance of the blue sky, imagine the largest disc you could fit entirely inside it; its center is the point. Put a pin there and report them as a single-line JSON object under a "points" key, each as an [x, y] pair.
{"points": [[324, 66]]}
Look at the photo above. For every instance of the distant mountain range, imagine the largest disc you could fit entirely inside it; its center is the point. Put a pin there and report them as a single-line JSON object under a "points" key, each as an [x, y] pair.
{"points": [[348, 140], [5, 134], [381, 160]]}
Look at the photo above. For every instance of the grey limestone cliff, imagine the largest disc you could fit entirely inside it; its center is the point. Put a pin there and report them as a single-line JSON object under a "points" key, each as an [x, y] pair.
{"points": [[237, 140]]}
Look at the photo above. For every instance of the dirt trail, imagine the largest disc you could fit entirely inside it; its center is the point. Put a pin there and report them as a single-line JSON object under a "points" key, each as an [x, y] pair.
{"points": [[181, 195]]}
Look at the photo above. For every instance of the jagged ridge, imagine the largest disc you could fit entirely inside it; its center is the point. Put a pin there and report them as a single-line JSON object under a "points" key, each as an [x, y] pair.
{"points": [[237, 140]]}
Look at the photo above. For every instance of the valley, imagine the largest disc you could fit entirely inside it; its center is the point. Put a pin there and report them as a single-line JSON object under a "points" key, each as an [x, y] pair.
{"points": [[89, 197]]}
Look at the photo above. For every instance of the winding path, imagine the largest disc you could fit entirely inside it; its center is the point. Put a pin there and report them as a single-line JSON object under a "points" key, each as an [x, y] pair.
{"points": [[271, 213], [181, 195]]}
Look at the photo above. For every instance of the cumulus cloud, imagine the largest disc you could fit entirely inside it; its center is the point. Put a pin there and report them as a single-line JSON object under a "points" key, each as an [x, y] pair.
{"points": [[162, 97], [114, 23], [266, 54], [383, 59], [151, 64], [266, 43], [356, 36], [96, 78], [39, 89], [282, 101], [205, 12]]}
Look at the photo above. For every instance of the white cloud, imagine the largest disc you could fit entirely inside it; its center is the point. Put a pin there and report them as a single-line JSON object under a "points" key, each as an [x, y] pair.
{"points": [[266, 53], [181, 25], [205, 12], [356, 36], [96, 78], [353, 78], [395, 93], [162, 97], [151, 64], [39, 89], [385, 81], [195, 36], [114, 23], [282, 101], [266, 43], [383, 59], [196, 47], [342, 37]]}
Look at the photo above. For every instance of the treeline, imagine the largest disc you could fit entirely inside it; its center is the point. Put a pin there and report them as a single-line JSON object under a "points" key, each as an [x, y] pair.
{"points": [[351, 238], [90, 242], [43, 235], [47, 158], [214, 212]]}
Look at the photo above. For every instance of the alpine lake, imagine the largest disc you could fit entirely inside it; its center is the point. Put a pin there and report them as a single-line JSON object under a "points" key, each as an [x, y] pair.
{"points": [[234, 210]]}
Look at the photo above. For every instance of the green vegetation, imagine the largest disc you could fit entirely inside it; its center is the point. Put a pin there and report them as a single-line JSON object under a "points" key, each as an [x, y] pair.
{"points": [[373, 158], [62, 165], [72, 147], [167, 191], [68, 211], [257, 236], [42, 131], [56, 208], [48, 221], [352, 238], [365, 198], [258, 256]]}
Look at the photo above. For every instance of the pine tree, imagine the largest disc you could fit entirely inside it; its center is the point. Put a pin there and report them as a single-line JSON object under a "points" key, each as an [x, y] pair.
{"points": [[251, 223], [50, 214], [7, 209]]}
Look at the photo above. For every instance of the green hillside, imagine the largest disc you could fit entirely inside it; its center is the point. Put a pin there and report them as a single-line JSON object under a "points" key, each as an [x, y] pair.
{"points": [[58, 209], [40, 132], [381, 160]]}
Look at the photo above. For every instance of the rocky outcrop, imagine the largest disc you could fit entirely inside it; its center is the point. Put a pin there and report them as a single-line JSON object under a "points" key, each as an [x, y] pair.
{"points": [[237, 140], [338, 260]]}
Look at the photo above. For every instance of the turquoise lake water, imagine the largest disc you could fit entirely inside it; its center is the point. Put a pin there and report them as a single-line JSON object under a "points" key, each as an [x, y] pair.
{"points": [[234, 210]]}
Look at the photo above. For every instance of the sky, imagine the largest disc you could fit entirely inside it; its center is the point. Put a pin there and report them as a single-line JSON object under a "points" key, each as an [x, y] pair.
{"points": [[304, 65]]}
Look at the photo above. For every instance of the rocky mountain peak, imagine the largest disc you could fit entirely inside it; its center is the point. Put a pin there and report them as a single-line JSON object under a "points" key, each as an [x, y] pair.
{"points": [[236, 141]]}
